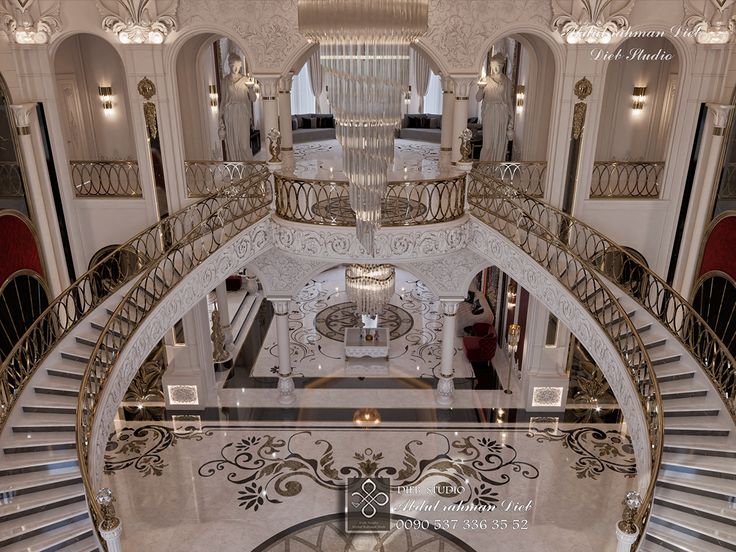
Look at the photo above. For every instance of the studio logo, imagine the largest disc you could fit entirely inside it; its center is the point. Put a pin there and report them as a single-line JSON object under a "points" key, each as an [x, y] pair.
{"points": [[368, 505]]}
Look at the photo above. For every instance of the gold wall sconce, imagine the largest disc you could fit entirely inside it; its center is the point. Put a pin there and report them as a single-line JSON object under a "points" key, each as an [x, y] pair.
{"points": [[407, 96], [520, 96], [212, 92], [640, 94], [105, 93]]}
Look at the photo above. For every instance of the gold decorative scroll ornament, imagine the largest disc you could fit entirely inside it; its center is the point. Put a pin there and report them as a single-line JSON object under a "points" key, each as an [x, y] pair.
{"points": [[147, 89]]}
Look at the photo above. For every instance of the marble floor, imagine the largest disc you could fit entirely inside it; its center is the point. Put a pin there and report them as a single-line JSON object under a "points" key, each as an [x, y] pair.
{"points": [[321, 312], [189, 485]]}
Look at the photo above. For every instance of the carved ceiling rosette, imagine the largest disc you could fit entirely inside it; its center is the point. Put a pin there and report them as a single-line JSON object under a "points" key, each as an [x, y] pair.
{"points": [[590, 21], [26, 23], [139, 21]]}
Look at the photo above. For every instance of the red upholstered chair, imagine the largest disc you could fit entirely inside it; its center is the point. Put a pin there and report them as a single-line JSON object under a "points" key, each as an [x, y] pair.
{"points": [[480, 348], [482, 329]]}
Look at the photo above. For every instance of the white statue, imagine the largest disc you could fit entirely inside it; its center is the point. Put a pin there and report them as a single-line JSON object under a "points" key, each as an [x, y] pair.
{"points": [[497, 113], [238, 93]]}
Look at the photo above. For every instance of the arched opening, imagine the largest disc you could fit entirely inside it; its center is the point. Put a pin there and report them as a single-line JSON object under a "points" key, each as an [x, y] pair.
{"points": [[23, 297], [95, 114], [715, 300], [636, 119]]}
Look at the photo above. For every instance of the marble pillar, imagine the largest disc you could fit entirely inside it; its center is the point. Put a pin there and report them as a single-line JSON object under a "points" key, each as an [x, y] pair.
{"points": [[445, 385], [287, 139], [462, 86], [448, 107], [269, 90], [286, 382]]}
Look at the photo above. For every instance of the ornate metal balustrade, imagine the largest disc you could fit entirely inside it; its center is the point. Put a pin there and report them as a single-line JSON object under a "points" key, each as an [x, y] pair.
{"points": [[106, 178], [243, 205], [11, 180], [206, 177], [408, 202], [529, 176], [647, 288], [92, 288], [494, 203], [626, 179]]}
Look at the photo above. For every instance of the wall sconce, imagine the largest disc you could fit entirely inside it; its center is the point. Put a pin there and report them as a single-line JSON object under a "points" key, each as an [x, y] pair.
{"points": [[407, 96], [511, 297], [520, 95], [512, 345], [640, 94], [212, 90], [105, 93]]}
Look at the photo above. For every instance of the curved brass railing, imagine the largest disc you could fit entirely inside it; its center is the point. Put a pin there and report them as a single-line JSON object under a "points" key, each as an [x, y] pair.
{"points": [[407, 202], [92, 288], [206, 177], [529, 176], [626, 179], [649, 290], [106, 178], [245, 204], [492, 202]]}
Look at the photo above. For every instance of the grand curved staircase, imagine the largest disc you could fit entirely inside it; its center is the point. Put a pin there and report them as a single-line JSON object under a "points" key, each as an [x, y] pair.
{"points": [[43, 505]]}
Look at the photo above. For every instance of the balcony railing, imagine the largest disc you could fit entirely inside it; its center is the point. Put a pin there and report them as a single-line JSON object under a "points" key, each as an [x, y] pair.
{"points": [[408, 202], [106, 178], [527, 176], [206, 177], [11, 181], [626, 179]]}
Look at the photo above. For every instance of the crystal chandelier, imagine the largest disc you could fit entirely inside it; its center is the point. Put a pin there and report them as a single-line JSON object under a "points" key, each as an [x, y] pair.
{"points": [[370, 287], [364, 50]]}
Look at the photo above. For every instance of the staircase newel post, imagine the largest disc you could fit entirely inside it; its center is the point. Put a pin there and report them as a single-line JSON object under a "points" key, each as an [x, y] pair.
{"points": [[111, 528], [626, 530]]}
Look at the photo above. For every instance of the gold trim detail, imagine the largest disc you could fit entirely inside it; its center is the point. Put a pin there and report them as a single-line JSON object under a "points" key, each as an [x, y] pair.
{"points": [[583, 88], [719, 131], [24, 131], [149, 113], [461, 97], [146, 88], [578, 120], [265, 98]]}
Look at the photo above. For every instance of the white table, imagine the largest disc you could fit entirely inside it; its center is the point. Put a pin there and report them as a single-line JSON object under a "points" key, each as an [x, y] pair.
{"points": [[356, 347]]}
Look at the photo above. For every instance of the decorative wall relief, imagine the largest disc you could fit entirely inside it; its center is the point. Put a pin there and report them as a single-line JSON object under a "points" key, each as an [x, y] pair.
{"points": [[132, 22], [590, 21], [25, 23]]}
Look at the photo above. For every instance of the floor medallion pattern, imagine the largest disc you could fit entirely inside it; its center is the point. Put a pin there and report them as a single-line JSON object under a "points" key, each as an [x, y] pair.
{"points": [[332, 321]]}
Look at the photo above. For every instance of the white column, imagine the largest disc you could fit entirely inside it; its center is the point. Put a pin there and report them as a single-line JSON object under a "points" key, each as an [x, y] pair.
{"points": [[462, 87], [40, 200], [269, 86], [445, 385], [112, 538], [701, 201], [625, 540], [287, 140], [286, 382], [189, 381], [448, 107], [222, 306]]}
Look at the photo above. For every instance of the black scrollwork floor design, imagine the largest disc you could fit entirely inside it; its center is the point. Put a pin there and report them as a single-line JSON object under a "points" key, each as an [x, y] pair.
{"points": [[332, 321], [141, 447], [394, 210], [270, 469], [598, 450]]}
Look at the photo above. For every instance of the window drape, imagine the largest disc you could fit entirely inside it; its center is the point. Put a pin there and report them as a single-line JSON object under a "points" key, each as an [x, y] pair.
{"points": [[315, 77], [422, 73]]}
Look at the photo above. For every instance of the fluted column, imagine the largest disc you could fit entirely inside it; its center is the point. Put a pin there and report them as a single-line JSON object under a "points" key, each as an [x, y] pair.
{"points": [[702, 198], [448, 107], [286, 382], [287, 140], [269, 87], [462, 86], [445, 386], [41, 201]]}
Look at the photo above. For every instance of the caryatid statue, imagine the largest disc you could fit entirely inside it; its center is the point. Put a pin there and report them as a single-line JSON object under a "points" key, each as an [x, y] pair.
{"points": [[238, 93], [497, 111]]}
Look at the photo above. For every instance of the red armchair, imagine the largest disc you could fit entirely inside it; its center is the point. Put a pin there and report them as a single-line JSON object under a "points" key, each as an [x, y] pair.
{"points": [[482, 346]]}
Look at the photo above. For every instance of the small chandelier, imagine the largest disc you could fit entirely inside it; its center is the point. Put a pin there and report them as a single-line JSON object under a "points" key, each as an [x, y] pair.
{"points": [[364, 49], [370, 287]]}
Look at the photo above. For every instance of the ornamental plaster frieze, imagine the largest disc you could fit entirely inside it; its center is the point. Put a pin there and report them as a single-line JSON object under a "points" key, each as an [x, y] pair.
{"points": [[450, 275], [282, 274], [392, 244]]}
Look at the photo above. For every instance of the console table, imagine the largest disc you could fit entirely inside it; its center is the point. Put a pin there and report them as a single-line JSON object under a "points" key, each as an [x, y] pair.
{"points": [[356, 346]]}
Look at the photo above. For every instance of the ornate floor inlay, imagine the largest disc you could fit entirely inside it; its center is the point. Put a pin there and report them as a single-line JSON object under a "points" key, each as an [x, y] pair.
{"points": [[394, 210], [332, 321]]}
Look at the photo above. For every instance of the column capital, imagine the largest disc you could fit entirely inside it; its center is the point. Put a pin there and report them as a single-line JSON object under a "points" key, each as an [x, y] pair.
{"points": [[285, 83], [280, 305], [269, 85], [447, 84], [720, 113], [450, 305], [462, 84], [22, 116]]}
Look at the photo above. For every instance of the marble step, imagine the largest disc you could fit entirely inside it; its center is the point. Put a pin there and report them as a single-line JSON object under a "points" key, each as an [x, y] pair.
{"points": [[686, 426], [36, 524], [58, 387], [672, 372], [699, 485], [22, 505], [706, 446], [24, 483], [702, 529], [651, 344], [75, 537], [671, 540], [34, 462], [38, 442], [45, 426], [658, 360], [701, 506], [70, 370], [51, 408], [674, 400], [99, 327], [710, 466], [680, 389], [688, 412]]}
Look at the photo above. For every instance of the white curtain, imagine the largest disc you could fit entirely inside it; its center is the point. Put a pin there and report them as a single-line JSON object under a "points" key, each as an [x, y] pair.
{"points": [[422, 74], [315, 77], [433, 100], [302, 99]]}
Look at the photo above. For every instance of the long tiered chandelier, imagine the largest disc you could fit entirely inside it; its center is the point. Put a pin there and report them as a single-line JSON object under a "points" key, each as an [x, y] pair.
{"points": [[364, 49], [370, 287]]}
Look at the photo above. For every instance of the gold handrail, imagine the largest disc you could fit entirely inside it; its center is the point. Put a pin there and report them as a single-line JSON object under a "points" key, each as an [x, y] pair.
{"points": [[206, 177], [106, 178], [247, 202], [529, 176], [407, 202], [88, 291], [626, 179], [651, 292], [491, 201]]}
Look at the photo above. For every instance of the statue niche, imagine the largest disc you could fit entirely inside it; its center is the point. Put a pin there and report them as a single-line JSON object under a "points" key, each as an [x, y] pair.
{"points": [[238, 95], [497, 112]]}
